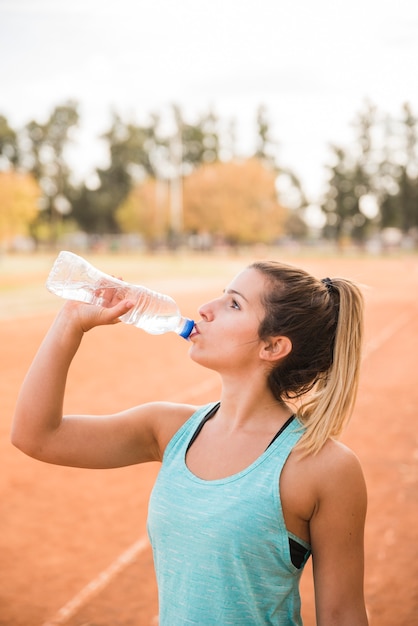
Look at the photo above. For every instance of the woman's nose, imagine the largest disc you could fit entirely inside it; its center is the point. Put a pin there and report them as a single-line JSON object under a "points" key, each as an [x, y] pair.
{"points": [[206, 311]]}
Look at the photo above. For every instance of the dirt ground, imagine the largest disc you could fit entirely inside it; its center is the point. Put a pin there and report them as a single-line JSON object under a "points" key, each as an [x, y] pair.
{"points": [[73, 546]]}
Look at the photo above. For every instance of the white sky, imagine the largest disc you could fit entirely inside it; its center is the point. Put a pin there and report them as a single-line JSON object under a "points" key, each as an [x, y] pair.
{"points": [[312, 63]]}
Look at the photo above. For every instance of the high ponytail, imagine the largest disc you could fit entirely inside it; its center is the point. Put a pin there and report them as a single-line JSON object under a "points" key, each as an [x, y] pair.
{"points": [[324, 321]]}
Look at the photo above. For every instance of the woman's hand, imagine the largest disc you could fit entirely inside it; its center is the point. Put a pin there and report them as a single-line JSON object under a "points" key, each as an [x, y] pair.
{"points": [[87, 316]]}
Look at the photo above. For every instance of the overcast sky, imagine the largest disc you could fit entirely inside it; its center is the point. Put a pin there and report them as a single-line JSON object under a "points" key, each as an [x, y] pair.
{"points": [[312, 63]]}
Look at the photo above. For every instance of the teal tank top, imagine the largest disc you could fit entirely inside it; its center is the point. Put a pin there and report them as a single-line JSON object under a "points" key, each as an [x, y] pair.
{"points": [[221, 547]]}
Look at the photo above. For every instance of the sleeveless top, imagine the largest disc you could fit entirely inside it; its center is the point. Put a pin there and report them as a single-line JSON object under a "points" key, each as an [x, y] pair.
{"points": [[221, 548]]}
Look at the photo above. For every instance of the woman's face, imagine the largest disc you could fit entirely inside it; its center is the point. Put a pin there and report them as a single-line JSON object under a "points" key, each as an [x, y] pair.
{"points": [[227, 335]]}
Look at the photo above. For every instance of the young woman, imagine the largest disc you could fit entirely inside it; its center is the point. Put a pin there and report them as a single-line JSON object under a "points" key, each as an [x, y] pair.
{"points": [[249, 486]]}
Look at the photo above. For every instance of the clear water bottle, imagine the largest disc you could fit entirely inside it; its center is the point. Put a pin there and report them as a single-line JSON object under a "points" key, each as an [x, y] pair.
{"points": [[74, 278]]}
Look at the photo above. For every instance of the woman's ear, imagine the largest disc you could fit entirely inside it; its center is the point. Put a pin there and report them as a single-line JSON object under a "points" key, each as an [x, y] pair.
{"points": [[276, 348]]}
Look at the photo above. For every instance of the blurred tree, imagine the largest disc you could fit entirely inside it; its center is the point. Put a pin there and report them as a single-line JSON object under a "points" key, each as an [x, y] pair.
{"points": [[292, 196], [348, 183], [398, 172], [94, 209], [194, 144], [19, 204], [9, 154], [408, 178], [211, 139], [146, 211], [373, 183], [236, 201], [295, 226], [338, 201], [228, 151], [388, 176], [134, 154], [134, 147], [352, 180], [266, 147], [288, 185], [137, 153], [191, 145], [43, 154]]}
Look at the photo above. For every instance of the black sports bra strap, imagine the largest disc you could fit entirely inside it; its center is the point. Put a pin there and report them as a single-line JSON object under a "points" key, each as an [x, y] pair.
{"points": [[206, 417], [212, 412], [285, 425]]}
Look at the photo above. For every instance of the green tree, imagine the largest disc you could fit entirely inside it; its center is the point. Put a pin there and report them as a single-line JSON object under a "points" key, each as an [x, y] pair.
{"points": [[352, 179], [192, 145], [45, 157], [388, 175], [348, 183], [398, 172], [135, 152], [408, 179], [9, 153], [288, 185], [266, 146]]}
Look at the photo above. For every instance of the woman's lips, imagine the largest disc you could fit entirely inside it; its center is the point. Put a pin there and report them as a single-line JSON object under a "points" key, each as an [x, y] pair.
{"points": [[194, 332]]}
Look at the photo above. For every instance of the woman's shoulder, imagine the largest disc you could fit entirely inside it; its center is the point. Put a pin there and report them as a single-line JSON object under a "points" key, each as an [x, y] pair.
{"points": [[331, 478], [333, 467], [170, 417], [176, 412], [335, 454], [321, 473]]}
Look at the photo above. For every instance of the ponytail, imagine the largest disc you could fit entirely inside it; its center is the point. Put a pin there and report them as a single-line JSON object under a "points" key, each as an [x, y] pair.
{"points": [[324, 321], [328, 409]]}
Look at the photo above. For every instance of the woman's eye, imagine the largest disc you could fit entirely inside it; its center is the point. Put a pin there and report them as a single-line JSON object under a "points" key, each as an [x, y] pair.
{"points": [[235, 304]]}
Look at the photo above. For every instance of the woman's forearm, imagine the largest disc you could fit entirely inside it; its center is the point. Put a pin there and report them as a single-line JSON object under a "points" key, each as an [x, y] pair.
{"points": [[40, 402]]}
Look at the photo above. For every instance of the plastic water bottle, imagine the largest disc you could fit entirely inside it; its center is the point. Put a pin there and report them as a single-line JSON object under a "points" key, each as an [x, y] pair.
{"points": [[74, 278]]}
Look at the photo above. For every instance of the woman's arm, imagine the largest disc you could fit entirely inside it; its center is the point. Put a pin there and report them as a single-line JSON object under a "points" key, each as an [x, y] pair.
{"points": [[337, 539], [39, 428]]}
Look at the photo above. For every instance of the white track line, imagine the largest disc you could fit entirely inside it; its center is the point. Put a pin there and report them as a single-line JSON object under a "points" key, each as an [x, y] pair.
{"points": [[100, 582], [127, 557], [388, 332]]}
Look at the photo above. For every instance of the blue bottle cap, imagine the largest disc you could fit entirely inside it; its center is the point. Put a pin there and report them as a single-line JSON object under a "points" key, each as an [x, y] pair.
{"points": [[187, 328]]}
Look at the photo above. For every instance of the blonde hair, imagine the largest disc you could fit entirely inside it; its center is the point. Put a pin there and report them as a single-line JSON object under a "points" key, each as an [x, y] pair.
{"points": [[324, 321]]}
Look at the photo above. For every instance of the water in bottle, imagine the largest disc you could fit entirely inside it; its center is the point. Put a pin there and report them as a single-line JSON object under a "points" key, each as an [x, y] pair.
{"points": [[74, 278]]}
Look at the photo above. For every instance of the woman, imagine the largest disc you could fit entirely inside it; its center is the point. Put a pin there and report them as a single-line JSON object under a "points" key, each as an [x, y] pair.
{"points": [[247, 489]]}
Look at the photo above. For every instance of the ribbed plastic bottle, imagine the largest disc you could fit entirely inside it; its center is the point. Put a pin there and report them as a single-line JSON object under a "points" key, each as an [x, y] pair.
{"points": [[74, 278]]}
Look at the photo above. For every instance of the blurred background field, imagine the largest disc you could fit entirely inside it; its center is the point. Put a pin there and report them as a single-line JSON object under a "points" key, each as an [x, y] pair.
{"points": [[23, 276]]}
